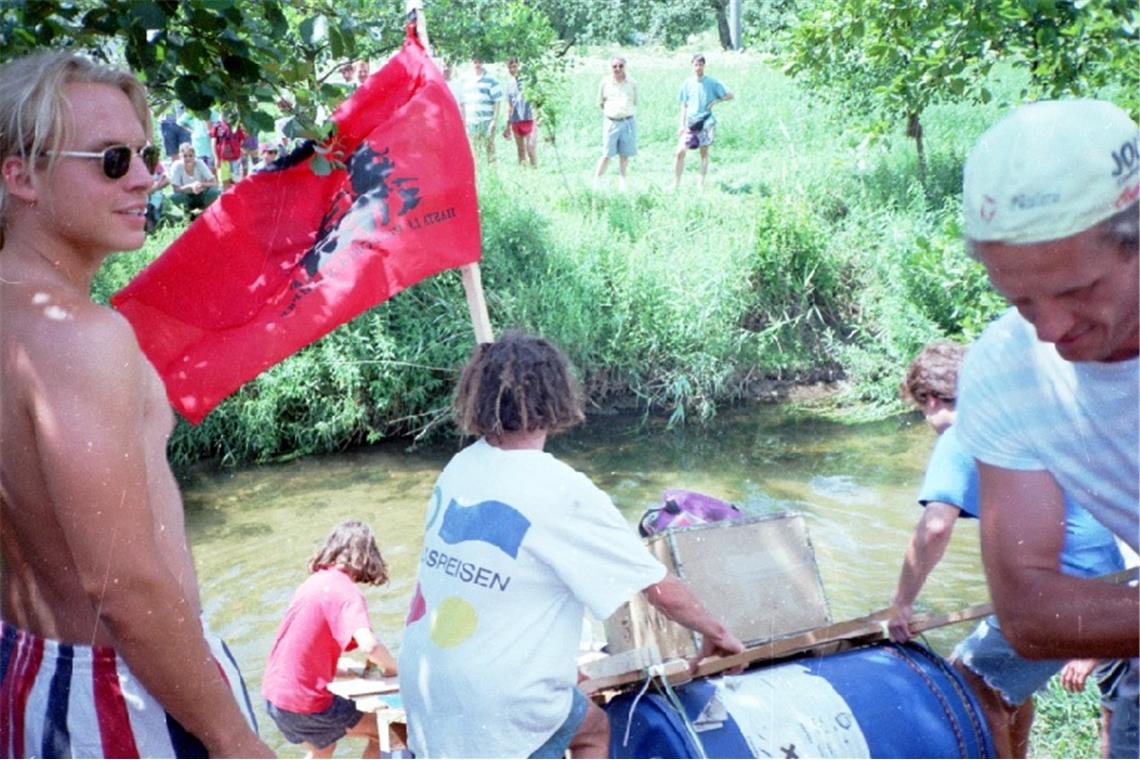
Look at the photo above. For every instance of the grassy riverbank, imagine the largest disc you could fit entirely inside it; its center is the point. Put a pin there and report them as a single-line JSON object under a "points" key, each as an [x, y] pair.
{"points": [[811, 254]]}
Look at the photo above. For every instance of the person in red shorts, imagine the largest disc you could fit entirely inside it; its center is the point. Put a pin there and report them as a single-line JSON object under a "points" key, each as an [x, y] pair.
{"points": [[520, 119], [327, 616]]}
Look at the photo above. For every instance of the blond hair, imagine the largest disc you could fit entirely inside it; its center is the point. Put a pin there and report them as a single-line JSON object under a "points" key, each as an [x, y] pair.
{"points": [[33, 106]]}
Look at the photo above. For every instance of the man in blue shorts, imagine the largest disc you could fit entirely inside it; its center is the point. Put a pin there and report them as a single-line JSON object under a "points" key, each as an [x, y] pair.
{"points": [[1003, 681], [617, 97], [699, 93], [1048, 399]]}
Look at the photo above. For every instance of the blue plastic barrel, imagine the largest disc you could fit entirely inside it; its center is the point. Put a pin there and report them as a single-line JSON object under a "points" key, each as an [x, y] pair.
{"points": [[878, 701]]}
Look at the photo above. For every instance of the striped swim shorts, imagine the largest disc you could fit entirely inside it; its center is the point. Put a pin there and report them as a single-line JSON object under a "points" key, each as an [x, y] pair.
{"points": [[68, 700]]}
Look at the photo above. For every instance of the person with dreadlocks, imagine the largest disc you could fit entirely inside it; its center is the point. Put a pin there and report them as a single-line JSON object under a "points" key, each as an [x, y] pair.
{"points": [[517, 545], [327, 615]]}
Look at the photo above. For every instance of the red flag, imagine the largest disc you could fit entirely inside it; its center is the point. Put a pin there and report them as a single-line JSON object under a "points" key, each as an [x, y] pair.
{"points": [[286, 255]]}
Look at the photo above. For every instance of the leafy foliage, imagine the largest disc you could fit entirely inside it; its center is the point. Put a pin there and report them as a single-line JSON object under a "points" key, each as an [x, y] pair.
{"points": [[898, 57], [950, 290], [1074, 48], [233, 54], [669, 22], [492, 30], [766, 23], [801, 289]]}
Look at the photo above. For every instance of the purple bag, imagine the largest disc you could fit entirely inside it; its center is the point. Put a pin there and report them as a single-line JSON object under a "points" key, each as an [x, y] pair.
{"points": [[680, 507]]}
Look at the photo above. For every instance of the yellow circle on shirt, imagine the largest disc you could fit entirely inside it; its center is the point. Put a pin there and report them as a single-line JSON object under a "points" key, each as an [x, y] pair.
{"points": [[453, 622]]}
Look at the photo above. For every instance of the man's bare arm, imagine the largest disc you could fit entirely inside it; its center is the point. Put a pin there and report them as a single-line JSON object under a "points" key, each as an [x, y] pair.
{"points": [[927, 545], [678, 602], [1044, 613], [90, 434]]}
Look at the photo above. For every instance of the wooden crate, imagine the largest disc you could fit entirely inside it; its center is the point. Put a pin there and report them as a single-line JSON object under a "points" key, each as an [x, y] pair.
{"points": [[756, 575]]}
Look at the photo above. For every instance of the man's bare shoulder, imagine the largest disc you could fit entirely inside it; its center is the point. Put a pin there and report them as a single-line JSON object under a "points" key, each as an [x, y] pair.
{"points": [[57, 339], [59, 322]]}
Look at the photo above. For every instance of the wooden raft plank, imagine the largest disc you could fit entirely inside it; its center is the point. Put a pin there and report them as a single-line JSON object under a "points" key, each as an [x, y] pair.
{"points": [[358, 687], [865, 630]]}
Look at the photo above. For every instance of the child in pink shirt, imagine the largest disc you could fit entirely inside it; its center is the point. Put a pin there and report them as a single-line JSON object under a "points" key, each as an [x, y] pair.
{"points": [[327, 616]]}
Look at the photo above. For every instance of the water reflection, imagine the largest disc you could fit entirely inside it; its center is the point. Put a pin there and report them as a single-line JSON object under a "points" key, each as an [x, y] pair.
{"points": [[253, 530]]}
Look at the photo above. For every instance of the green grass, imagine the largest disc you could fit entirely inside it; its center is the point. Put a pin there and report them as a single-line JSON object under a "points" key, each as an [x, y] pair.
{"points": [[811, 253], [1066, 725]]}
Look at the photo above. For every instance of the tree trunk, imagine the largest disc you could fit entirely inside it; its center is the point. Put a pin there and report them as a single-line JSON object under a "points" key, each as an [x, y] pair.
{"points": [[914, 129], [722, 28]]}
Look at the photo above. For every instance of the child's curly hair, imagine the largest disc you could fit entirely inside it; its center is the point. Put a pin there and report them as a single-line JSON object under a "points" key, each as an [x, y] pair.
{"points": [[351, 545], [519, 383], [934, 372]]}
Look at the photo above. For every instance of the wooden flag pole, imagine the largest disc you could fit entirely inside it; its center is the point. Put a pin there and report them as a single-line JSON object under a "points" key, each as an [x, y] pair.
{"points": [[476, 304], [415, 15], [472, 279]]}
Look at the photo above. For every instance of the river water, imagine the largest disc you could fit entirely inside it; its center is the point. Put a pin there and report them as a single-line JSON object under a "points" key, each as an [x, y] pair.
{"points": [[252, 530]]}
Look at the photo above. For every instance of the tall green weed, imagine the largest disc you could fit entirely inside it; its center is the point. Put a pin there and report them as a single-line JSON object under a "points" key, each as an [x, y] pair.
{"points": [[812, 252]]}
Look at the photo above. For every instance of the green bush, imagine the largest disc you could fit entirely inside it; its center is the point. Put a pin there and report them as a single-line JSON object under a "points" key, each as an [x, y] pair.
{"points": [[813, 253]]}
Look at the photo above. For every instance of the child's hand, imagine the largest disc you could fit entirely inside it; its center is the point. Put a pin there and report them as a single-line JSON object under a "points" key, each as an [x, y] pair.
{"points": [[1075, 673]]}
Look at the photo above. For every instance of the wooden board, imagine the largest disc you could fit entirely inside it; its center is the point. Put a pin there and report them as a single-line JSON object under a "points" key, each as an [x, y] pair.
{"points": [[757, 575], [603, 666], [353, 687], [351, 681], [865, 630]]}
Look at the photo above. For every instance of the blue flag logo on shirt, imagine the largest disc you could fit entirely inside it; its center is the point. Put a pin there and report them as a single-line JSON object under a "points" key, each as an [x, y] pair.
{"points": [[492, 522]]}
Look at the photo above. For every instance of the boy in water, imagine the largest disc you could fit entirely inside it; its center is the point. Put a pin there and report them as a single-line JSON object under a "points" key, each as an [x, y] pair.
{"points": [[327, 615], [517, 545]]}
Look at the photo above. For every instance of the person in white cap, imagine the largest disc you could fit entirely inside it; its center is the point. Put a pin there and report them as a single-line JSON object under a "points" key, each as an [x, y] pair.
{"points": [[1048, 395]]}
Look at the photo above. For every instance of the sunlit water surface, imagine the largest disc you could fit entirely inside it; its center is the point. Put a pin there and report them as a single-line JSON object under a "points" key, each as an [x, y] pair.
{"points": [[252, 530]]}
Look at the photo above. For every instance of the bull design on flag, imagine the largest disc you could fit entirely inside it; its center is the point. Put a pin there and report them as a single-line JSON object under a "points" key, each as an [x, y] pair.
{"points": [[361, 207]]}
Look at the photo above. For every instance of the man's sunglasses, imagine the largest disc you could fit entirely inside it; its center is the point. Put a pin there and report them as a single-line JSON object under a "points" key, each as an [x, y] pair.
{"points": [[116, 159]]}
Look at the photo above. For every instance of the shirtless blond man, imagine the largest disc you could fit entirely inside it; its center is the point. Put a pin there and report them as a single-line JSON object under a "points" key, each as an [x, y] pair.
{"points": [[102, 653]]}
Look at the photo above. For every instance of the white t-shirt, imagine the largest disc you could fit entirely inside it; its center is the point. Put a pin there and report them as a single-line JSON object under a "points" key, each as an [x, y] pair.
{"points": [[180, 177], [1023, 407], [516, 545]]}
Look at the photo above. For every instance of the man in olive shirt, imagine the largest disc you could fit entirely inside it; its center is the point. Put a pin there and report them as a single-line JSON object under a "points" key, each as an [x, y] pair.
{"points": [[617, 97]]}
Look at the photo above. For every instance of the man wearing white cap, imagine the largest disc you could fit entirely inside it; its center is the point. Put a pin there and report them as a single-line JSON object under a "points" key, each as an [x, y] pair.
{"points": [[1048, 398]]}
